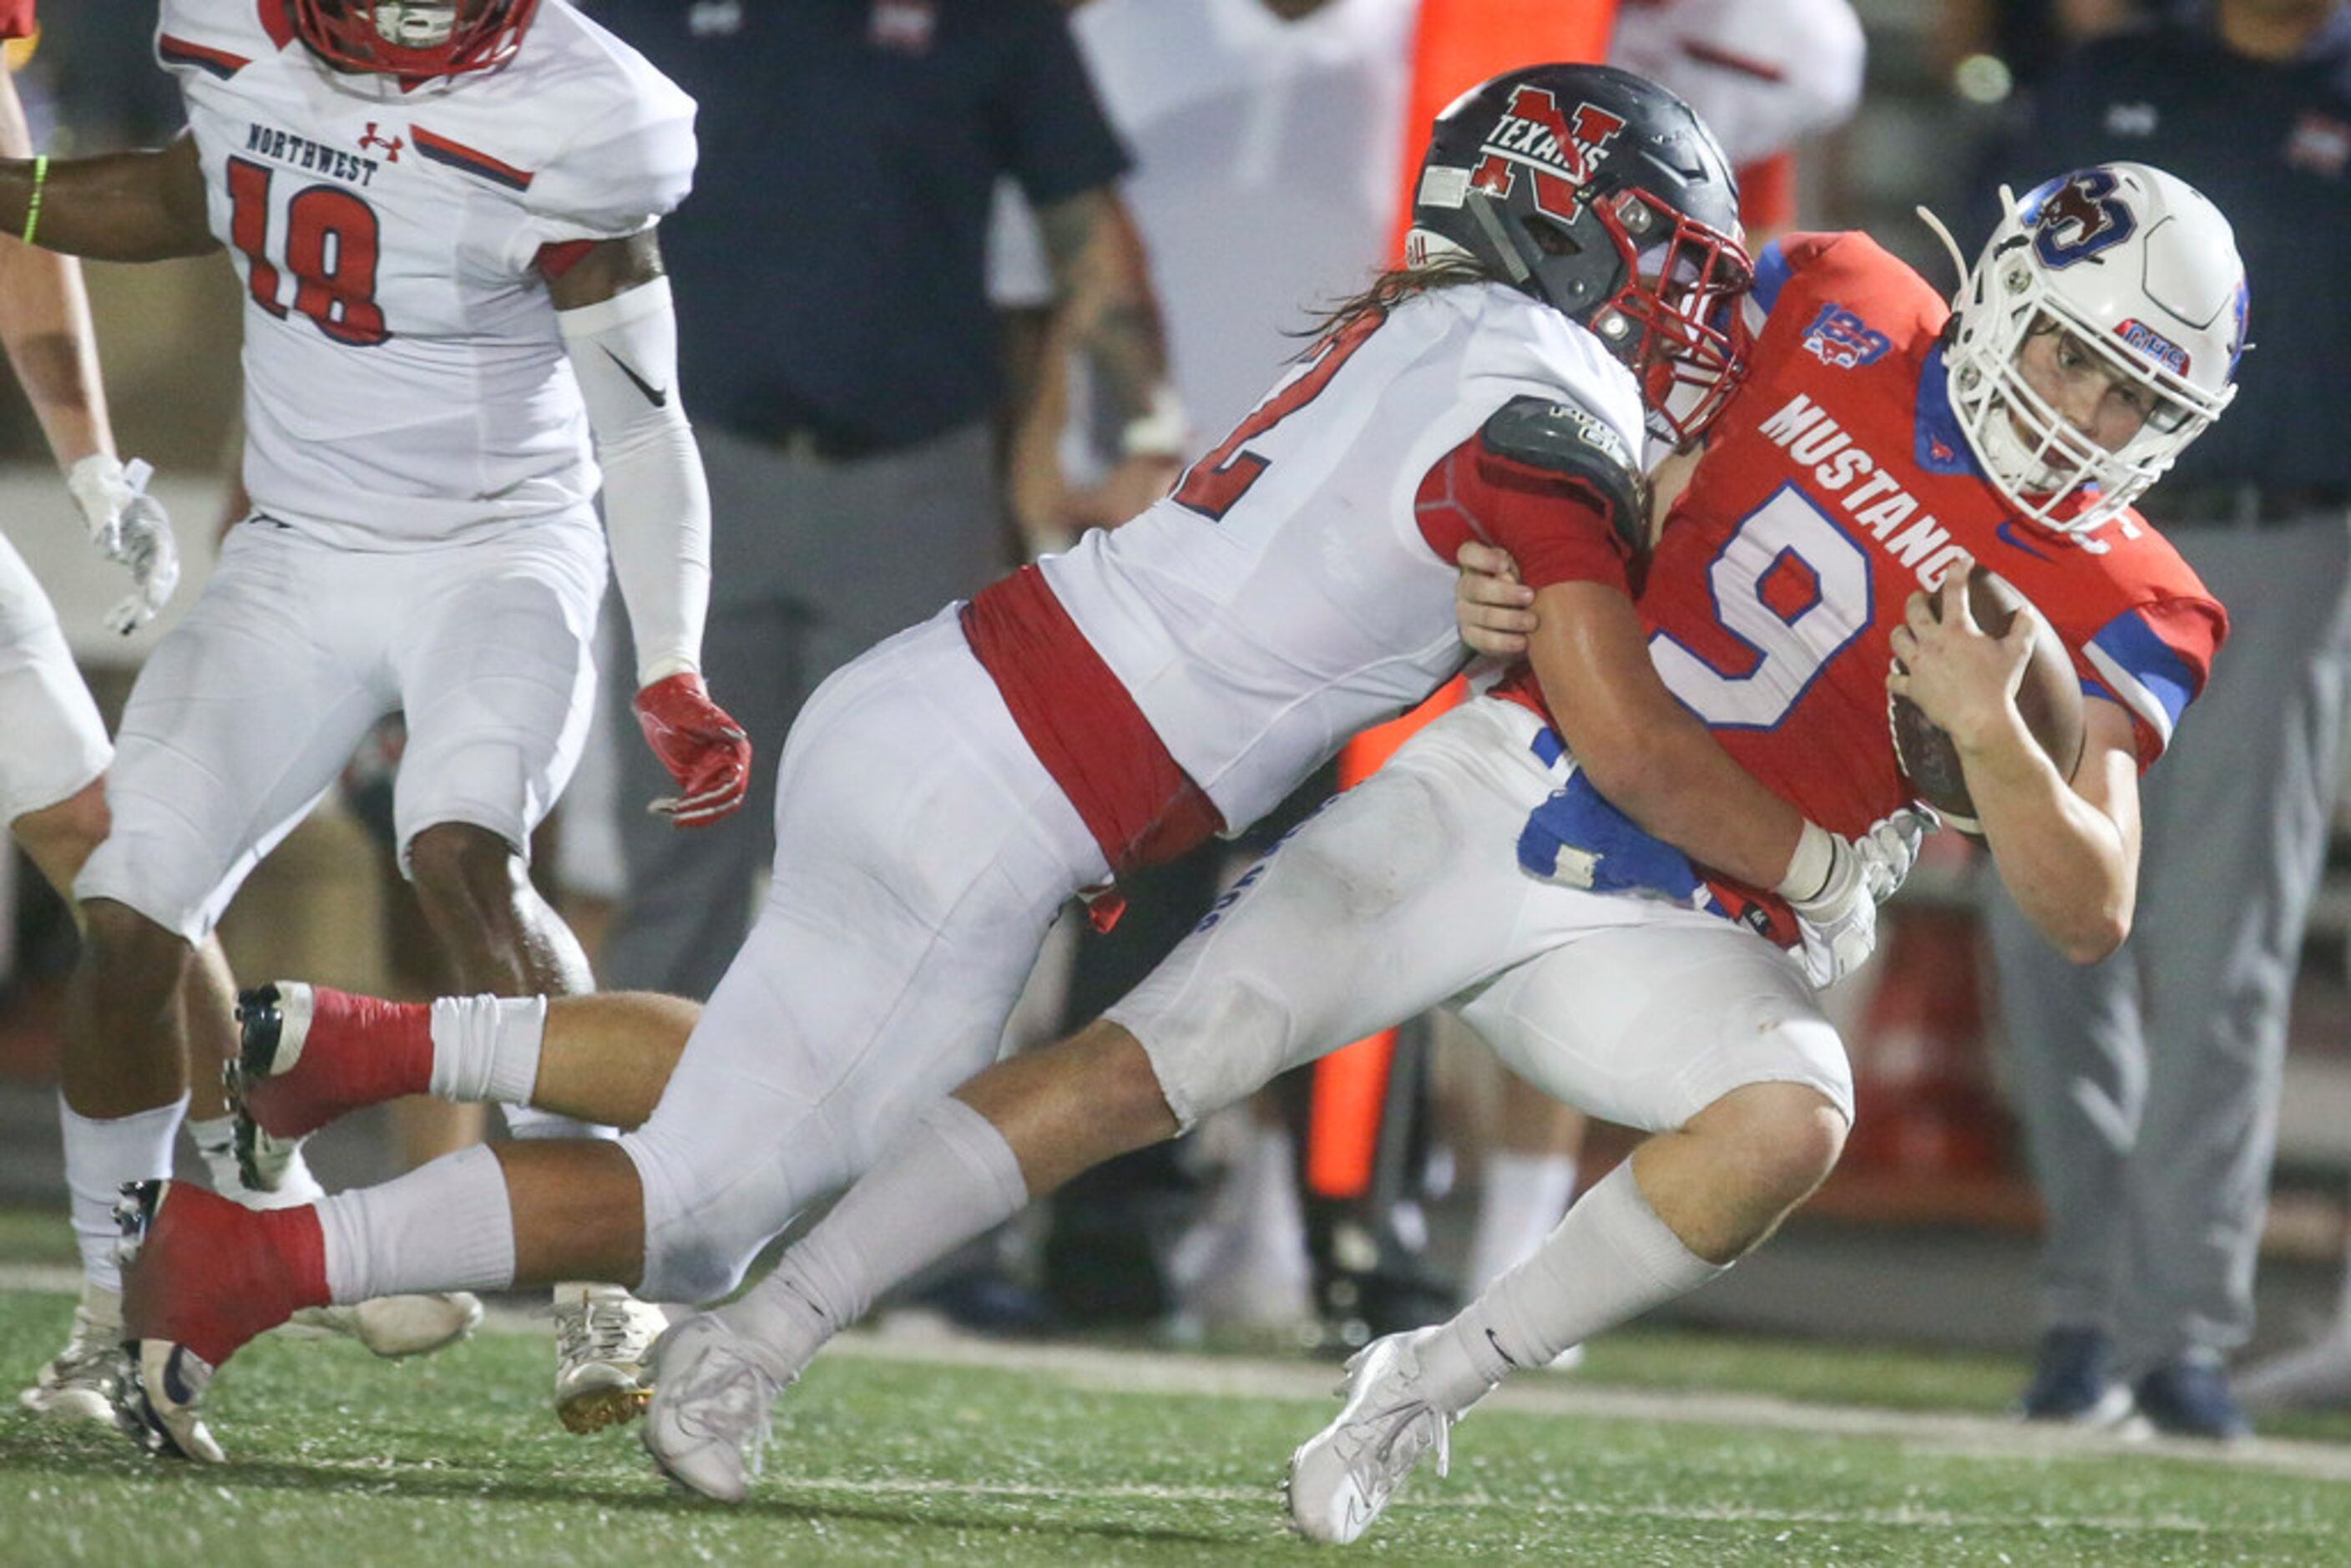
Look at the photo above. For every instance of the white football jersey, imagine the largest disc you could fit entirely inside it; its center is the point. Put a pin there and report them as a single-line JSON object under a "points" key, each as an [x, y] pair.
{"points": [[405, 381], [1284, 597]]}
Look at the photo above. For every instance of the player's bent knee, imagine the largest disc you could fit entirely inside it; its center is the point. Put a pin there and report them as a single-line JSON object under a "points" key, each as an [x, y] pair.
{"points": [[699, 1241], [459, 860], [121, 938], [1130, 1098], [1784, 1137], [58, 839]]}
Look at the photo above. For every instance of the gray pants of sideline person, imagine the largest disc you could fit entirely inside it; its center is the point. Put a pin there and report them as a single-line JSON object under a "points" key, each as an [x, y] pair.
{"points": [[813, 561], [2148, 1084]]}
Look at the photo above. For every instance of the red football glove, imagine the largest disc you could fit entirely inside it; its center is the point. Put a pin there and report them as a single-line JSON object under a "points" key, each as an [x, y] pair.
{"points": [[706, 752]]}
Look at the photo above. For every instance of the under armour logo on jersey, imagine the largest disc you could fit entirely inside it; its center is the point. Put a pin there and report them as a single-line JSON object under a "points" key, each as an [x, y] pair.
{"points": [[390, 147], [2130, 120], [1557, 154], [714, 18]]}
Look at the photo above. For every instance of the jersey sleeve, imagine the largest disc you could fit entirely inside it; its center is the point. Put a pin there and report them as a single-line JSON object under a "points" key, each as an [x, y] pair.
{"points": [[1776, 267], [2153, 658], [1051, 132], [1550, 529], [16, 20], [630, 166]]}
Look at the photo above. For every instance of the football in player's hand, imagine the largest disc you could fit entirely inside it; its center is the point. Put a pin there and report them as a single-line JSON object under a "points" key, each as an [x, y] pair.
{"points": [[2049, 699]]}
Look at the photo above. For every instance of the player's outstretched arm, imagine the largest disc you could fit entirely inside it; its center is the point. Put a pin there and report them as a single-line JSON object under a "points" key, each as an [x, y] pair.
{"points": [[620, 329], [2067, 849], [45, 326], [122, 206]]}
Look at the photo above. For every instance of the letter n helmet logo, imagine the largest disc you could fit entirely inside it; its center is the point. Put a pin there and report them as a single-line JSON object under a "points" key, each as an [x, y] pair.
{"points": [[1557, 152]]}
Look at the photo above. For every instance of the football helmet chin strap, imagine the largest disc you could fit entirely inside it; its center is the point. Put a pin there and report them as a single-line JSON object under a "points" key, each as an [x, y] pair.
{"points": [[656, 503]]}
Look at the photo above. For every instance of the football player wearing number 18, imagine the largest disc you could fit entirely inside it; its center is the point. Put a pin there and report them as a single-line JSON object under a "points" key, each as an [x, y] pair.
{"points": [[443, 211], [943, 795], [1869, 453]]}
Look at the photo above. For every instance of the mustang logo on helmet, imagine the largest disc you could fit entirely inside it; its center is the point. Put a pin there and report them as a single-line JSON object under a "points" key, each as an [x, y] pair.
{"points": [[2074, 218], [1533, 135]]}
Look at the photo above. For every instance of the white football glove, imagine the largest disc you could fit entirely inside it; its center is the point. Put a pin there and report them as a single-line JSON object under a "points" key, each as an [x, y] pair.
{"points": [[127, 525], [1834, 886]]}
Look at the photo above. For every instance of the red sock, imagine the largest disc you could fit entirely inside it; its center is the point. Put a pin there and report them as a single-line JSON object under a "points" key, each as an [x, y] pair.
{"points": [[384, 1048]]}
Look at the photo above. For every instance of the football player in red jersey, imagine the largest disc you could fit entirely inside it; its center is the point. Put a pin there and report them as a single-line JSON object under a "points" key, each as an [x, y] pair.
{"points": [[1881, 442], [457, 335]]}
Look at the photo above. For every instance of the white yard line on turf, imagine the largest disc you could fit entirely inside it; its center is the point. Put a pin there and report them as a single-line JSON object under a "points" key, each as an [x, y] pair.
{"points": [[1159, 1372]]}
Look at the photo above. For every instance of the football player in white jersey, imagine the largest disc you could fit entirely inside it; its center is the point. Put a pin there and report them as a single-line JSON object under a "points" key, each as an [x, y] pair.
{"points": [[52, 789], [443, 213], [942, 796]]}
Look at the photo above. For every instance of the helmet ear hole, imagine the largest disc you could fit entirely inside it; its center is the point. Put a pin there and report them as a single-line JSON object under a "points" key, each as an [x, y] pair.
{"points": [[1548, 237]]}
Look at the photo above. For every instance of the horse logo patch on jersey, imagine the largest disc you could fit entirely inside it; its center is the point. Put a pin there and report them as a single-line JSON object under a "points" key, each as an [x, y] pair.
{"points": [[391, 148], [2074, 218], [1534, 136], [1843, 341]]}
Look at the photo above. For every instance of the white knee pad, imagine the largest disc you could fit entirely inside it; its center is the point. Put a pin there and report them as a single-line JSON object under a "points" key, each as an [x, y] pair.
{"points": [[705, 1220]]}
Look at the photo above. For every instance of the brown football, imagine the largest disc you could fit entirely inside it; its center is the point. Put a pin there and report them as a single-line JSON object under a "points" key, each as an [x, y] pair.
{"points": [[2049, 699]]}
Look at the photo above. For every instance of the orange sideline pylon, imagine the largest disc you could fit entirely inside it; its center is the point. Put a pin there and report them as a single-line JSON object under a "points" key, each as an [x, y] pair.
{"points": [[1457, 44]]}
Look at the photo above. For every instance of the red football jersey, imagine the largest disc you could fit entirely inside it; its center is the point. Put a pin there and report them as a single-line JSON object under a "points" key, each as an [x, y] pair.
{"points": [[1835, 484], [16, 18]]}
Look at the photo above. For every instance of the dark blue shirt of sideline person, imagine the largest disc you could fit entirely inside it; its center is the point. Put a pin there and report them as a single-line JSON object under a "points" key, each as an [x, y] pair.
{"points": [[2270, 142], [831, 263]]}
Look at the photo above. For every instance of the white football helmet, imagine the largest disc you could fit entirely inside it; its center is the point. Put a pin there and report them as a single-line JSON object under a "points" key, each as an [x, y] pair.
{"points": [[2141, 269]]}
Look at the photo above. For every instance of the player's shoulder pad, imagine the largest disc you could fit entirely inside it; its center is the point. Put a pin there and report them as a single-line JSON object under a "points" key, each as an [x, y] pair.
{"points": [[628, 149], [1558, 434]]}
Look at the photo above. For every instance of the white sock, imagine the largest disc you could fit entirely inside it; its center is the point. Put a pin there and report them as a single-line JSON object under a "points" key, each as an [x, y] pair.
{"points": [[486, 1047], [1522, 1200], [1244, 1262], [1611, 1260], [100, 1156], [445, 1225], [215, 1140], [951, 1179]]}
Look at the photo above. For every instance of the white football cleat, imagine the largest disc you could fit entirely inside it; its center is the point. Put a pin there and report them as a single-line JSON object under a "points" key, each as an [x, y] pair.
{"points": [[713, 1397], [395, 1326], [80, 1382], [1343, 1475], [603, 1346], [157, 1406]]}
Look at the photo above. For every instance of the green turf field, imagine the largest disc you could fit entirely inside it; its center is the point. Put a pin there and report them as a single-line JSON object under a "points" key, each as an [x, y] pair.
{"points": [[1669, 1448]]}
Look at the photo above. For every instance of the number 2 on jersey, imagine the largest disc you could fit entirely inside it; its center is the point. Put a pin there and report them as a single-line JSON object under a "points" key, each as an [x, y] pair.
{"points": [[1792, 588], [332, 241], [1223, 476]]}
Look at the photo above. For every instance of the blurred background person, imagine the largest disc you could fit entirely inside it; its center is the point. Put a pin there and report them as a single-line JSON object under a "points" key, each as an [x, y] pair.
{"points": [[846, 366], [2148, 1085]]}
